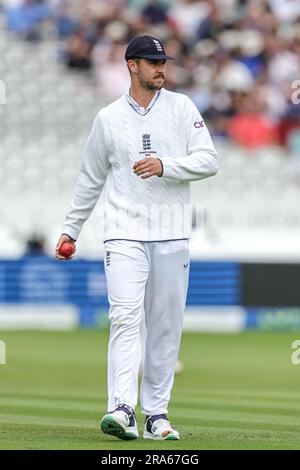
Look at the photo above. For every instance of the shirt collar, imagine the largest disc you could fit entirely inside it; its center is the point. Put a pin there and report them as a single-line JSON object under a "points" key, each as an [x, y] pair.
{"points": [[138, 108]]}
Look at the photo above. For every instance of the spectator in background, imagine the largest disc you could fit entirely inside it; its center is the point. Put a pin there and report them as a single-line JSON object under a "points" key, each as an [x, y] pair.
{"points": [[154, 13], [224, 50], [78, 54], [283, 63], [112, 77], [289, 129], [35, 246], [285, 11], [66, 24], [232, 75], [26, 19], [108, 62], [186, 15], [251, 126]]}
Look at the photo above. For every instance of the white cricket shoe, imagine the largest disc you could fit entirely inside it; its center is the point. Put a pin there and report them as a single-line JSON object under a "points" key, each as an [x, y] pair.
{"points": [[179, 368], [120, 423], [159, 428]]}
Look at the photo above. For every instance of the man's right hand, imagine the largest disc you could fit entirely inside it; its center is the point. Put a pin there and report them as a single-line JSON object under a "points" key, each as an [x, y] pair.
{"points": [[64, 238]]}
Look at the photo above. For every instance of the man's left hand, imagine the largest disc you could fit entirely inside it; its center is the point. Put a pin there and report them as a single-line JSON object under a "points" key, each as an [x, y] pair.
{"points": [[148, 167]]}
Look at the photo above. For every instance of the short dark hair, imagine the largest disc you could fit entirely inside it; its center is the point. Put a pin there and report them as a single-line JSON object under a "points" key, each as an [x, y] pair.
{"points": [[136, 59]]}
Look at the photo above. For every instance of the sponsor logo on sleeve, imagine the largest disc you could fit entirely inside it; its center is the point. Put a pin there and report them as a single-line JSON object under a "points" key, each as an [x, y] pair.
{"points": [[198, 124]]}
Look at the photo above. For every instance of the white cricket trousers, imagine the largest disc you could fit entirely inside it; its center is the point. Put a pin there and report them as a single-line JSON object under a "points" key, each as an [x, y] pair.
{"points": [[151, 279]]}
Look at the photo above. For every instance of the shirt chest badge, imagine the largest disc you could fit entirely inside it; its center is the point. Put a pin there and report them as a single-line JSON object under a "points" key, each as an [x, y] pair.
{"points": [[147, 145]]}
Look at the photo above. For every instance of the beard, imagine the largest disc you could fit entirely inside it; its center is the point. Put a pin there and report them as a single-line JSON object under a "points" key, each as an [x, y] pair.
{"points": [[151, 85]]}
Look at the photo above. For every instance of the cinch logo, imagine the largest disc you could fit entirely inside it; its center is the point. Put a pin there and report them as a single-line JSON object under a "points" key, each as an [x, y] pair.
{"points": [[146, 142], [158, 45], [2, 353], [198, 124]]}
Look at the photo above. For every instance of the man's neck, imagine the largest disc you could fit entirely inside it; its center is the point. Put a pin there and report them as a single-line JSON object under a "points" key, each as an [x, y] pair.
{"points": [[142, 97]]}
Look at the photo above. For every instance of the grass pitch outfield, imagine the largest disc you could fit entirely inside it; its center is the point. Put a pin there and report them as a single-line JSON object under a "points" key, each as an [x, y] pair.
{"points": [[237, 392]]}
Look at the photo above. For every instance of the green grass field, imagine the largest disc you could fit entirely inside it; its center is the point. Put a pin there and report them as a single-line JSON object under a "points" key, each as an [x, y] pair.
{"points": [[237, 392]]}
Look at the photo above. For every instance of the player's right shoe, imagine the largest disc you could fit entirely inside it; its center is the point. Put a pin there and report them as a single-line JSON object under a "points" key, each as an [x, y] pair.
{"points": [[159, 428], [120, 423]]}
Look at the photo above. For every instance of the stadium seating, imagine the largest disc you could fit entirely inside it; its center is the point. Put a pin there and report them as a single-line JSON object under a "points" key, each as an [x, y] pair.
{"points": [[44, 124]]}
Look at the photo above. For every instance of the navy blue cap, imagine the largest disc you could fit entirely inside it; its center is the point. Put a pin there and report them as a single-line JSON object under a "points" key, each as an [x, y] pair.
{"points": [[146, 47]]}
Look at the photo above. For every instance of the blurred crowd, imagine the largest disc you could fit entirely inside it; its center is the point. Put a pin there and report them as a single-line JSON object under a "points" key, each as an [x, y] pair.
{"points": [[238, 60]]}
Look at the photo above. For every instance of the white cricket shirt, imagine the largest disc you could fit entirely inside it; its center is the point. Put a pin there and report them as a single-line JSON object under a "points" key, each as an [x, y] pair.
{"points": [[156, 208]]}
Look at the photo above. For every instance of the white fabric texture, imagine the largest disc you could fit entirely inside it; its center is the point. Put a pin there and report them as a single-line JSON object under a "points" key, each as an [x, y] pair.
{"points": [[150, 278], [153, 209]]}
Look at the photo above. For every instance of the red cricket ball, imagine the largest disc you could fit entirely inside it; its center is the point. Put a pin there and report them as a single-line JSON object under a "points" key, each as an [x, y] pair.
{"points": [[66, 249]]}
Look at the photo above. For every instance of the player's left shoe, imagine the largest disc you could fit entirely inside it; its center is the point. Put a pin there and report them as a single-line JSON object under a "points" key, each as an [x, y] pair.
{"points": [[159, 428], [120, 423]]}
